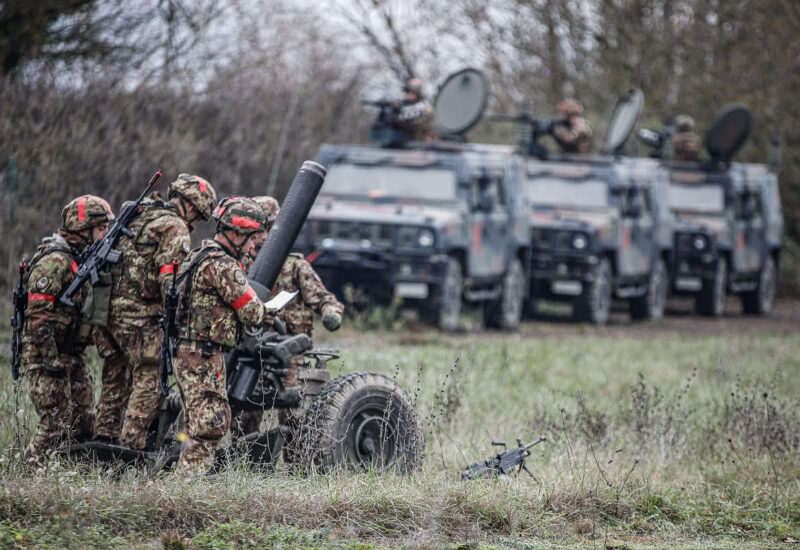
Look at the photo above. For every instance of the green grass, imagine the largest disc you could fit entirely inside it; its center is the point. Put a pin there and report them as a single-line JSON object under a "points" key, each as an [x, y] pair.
{"points": [[666, 440]]}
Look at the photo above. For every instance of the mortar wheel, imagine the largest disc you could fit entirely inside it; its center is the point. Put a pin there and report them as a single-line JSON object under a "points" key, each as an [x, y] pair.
{"points": [[360, 421]]}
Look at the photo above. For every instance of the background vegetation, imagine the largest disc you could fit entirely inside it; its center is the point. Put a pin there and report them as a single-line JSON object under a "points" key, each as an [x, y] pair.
{"points": [[653, 440], [95, 94]]}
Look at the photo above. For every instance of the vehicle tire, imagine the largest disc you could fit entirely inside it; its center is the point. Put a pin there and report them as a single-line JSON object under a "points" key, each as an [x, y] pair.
{"points": [[759, 301], [446, 310], [651, 305], [594, 305], [506, 312], [360, 421], [710, 300]]}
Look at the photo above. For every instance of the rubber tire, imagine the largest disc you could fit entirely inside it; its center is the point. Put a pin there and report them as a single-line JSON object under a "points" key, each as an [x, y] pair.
{"points": [[447, 309], [506, 312], [651, 305], [326, 439], [594, 305], [710, 301], [759, 301]]}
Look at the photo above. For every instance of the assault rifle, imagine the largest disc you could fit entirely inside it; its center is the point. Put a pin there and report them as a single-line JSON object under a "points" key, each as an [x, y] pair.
{"points": [[384, 130], [17, 320], [169, 329], [510, 460], [531, 129], [101, 253]]}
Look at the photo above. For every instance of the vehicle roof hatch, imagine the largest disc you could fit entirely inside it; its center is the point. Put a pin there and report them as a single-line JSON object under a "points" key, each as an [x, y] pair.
{"points": [[728, 132], [460, 102], [626, 113]]}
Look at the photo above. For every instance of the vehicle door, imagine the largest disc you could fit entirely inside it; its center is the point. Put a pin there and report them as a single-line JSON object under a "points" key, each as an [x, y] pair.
{"points": [[638, 246], [750, 233], [489, 223]]}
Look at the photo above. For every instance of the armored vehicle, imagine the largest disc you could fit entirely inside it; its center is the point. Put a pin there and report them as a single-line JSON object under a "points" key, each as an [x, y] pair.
{"points": [[729, 222], [601, 227], [361, 420], [431, 224]]}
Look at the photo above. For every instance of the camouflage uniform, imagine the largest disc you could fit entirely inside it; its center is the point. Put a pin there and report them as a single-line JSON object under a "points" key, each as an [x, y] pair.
{"points": [[216, 301], [131, 344], [415, 120], [576, 136], [685, 142], [296, 275], [59, 384]]}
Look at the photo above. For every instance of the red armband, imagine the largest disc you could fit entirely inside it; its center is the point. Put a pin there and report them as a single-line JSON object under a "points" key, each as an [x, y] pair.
{"points": [[244, 299], [168, 268], [36, 297]]}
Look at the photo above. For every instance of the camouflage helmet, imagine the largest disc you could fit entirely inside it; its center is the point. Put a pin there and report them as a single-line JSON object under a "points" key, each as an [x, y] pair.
{"points": [[684, 123], [239, 214], [86, 212], [270, 206], [195, 190], [570, 107]]}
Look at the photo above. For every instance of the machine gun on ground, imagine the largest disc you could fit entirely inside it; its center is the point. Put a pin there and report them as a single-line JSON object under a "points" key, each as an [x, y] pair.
{"points": [[505, 463], [101, 253]]}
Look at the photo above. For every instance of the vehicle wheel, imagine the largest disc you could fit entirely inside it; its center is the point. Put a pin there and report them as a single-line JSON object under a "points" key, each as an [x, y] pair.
{"points": [[447, 309], [711, 298], [594, 304], [759, 301], [506, 312], [361, 421], [651, 305]]}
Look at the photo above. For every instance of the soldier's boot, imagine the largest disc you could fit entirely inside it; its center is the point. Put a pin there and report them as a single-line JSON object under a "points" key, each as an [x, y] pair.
{"points": [[113, 396], [142, 406]]}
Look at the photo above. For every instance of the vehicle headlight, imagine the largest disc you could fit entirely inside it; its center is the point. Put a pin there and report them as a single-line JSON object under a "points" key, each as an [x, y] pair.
{"points": [[699, 242], [425, 238], [579, 241]]}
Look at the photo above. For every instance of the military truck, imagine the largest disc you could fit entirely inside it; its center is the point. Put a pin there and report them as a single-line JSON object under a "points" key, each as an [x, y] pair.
{"points": [[601, 227], [434, 225], [729, 224]]}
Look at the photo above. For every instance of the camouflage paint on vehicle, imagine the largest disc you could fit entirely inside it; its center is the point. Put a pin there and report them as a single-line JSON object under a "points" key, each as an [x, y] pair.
{"points": [[391, 222]]}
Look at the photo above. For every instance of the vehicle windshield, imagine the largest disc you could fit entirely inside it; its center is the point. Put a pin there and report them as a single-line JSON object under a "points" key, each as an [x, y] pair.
{"points": [[578, 194], [700, 199], [385, 181]]}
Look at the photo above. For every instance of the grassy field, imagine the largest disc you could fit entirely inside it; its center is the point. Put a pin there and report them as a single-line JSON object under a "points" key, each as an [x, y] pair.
{"points": [[654, 439]]}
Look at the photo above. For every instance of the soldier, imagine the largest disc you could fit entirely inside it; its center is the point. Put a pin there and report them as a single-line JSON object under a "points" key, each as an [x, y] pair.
{"points": [[415, 117], [685, 142], [216, 301], [131, 344], [575, 136], [313, 297], [59, 384]]}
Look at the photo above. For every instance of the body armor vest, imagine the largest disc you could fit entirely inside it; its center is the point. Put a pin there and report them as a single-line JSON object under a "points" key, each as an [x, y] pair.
{"points": [[203, 315]]}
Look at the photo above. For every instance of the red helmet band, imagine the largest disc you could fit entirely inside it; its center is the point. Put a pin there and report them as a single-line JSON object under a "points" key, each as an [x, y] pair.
{"points": [[240, 221]]}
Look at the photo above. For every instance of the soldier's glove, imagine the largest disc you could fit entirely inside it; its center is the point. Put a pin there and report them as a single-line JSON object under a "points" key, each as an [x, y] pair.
{"points": [[332, 321], [55, 368]]}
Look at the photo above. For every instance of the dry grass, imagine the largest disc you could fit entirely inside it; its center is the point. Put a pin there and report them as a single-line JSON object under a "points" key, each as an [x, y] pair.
{"points": [[691, 441]]}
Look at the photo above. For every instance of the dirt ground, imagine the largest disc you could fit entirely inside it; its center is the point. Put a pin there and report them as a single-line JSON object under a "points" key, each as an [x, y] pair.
{"points": [[679, 319]]}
